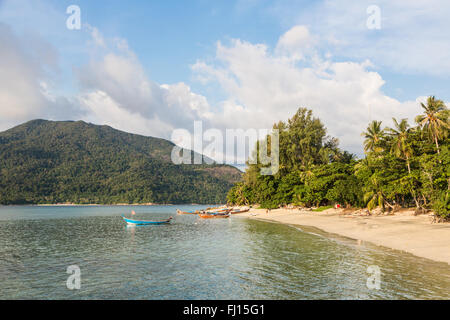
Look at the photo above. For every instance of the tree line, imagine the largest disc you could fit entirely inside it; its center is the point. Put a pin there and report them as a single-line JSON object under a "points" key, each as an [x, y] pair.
{"points": [[404, 166]]}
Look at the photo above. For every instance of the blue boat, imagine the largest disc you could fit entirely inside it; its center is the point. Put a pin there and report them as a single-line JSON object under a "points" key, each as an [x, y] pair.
{"points": [[145, 222]]}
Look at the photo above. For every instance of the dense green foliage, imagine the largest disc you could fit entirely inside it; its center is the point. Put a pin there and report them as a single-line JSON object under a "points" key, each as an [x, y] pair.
{"points": [[404, 166], [58, 162]]}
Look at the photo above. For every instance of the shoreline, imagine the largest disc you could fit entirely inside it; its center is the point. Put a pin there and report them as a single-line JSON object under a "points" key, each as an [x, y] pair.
{"points": [[402, 231]]}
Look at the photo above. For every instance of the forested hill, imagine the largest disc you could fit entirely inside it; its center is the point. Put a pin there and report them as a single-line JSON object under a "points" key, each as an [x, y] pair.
{"points": [[73, 161]]}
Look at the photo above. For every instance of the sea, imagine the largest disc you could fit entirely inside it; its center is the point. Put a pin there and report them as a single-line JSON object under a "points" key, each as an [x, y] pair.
{"points": [[88, 252]]}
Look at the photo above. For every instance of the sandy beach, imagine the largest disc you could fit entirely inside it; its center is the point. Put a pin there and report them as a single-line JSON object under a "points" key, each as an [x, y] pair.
{"points": [[402, 231]]}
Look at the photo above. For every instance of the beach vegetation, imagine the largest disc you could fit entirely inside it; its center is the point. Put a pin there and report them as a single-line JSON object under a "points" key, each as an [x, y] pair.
{"points": [[404, 166]]}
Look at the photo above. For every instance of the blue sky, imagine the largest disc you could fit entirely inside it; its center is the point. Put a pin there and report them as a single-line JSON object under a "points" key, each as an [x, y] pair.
{"points": [[169, 36], [227, 63]]}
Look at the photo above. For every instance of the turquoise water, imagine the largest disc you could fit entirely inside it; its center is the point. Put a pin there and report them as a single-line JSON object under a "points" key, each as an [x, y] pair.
{"points": [[233, 258]]}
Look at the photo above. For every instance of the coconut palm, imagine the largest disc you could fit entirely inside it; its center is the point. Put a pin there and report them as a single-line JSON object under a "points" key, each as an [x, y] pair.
{"points": [[435, 119], [241, 198], [400, 144], [373, 137], [374, 197], [306, 171]]}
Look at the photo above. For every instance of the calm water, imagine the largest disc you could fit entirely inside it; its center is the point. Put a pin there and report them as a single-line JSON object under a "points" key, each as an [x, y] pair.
{"points": [[232, 258]]}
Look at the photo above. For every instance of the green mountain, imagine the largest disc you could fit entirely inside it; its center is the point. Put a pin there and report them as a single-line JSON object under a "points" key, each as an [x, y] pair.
{"points": [[73, 161]]}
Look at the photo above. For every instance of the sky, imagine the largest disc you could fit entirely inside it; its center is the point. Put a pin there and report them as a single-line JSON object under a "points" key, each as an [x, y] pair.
{"points": [[151, 67]]}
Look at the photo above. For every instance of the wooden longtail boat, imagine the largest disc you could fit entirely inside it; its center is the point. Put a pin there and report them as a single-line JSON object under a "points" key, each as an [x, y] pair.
{"points": [[210, 215], [206, 211], [222, 213], [145, 222], [226, 210], [239, 211], [216, 208], [188, 212]]}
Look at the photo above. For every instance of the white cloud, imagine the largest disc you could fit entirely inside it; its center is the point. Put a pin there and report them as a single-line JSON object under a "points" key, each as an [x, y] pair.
{"points": [[264, 88], [97, 37], [295, 42], [19, 74], [262, 85], [25, 73], [413, 38], [102, 109], [115, 80]]}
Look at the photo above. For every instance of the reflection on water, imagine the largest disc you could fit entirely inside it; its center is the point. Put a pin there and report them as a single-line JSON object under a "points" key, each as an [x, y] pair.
{"points": [[195, 259]]}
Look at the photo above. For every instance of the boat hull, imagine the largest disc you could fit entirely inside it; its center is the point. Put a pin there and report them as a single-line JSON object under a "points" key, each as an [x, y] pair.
{"points": [[133, 222], [239, 211], [213, 216], [187, 212]]}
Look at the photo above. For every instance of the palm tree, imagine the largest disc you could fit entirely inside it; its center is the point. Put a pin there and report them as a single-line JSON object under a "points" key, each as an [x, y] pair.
{"points": [[400, 146], [374, 197], [373, 137], [306, 171], [435, 119], [241, 198]]}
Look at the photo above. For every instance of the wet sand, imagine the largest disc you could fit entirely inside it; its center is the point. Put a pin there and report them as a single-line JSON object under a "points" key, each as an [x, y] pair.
{"points": [[402, 231]]}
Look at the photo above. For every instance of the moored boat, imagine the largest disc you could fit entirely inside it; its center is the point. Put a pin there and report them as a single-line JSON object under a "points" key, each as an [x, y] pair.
{"points": [[209, 215], [187, 212], [216, 209], [224, 211], [145, 222], [239, 211], [222, 208], [205, 211]]}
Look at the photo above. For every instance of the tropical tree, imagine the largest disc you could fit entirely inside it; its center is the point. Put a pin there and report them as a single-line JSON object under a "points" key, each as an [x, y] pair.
{"points": [[434, 120], [400, 144], [306, 171], [374, 196], [401, 166], [373, 137], [302, 139]]}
